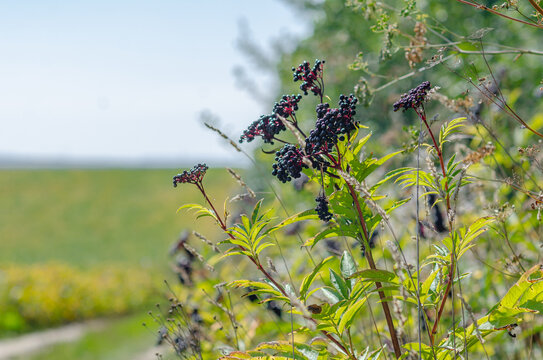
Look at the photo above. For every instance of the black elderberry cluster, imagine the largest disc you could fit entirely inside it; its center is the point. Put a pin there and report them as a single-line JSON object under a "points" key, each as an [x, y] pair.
{"points": [[193, 176], [287, 105], [414, 98], [309, 76], [332, 125], [266, 127], [270, 125], [322, 208], [322, 109], [289, 163]]}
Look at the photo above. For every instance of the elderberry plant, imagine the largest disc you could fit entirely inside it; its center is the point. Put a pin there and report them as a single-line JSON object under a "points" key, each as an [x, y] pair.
{"points": [[339, 294]]}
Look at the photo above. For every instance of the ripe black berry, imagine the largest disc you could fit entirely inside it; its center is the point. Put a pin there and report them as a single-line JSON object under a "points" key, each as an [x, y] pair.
{"points": [[322, 208], [414, 98]]}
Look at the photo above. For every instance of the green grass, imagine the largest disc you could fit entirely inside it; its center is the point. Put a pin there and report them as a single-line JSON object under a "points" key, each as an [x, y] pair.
{"points": [[90, 217]]}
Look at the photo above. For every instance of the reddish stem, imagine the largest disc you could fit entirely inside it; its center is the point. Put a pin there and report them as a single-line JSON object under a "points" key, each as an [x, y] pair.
{"points": [[441, 162], [536, 7], [225, 229], [482, 7], [450, 278], [371, 262]]}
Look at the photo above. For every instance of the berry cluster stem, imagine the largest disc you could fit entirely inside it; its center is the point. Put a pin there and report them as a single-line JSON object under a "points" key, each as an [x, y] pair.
{"points": [[450, 278], [222, 225], [371, 262]]}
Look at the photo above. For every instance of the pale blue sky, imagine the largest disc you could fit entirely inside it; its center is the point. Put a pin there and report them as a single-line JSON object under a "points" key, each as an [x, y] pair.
{"points": [[127, 79]]}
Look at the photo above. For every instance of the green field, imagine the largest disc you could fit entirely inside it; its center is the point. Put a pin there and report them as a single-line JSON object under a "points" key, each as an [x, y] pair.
{"points": [[90, 217]]}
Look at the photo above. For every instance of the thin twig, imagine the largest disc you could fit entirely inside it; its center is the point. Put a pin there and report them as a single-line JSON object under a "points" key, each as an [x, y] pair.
{"points": [[486, 8]]}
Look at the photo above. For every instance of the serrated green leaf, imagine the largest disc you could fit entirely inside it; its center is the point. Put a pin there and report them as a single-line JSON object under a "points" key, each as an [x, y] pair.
{"points": [[524, 290], [304, 215], [339, 284], [361, 144], [376, 275], [262, 247], [449, 129], [308, 280], [347, 264], [331, 294], [327, 233], [349, 315], [191, 206], [235, 252], [254, 216]]}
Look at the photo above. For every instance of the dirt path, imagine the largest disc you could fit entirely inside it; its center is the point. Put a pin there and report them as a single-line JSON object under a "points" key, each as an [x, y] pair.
{"points": [[150, 354], [36, 341]]}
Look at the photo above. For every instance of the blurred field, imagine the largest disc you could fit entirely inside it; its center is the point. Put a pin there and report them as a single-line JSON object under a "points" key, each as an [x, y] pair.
{"points": [[91, 217], [44, 295], [91, 220]]}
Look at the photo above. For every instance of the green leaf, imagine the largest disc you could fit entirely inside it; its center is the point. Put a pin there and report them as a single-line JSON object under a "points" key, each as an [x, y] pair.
{"points": [[308, 351], [525, 296], [304, 215], [376, 275], [427, 285], [361, 144], [308, 280], [524, 290], [426, 351], [396, 204], [463, 237], [448, 129], [331, 294], [200, 210], [327, 233], [347, 264], [254, 216], [349, 315], [259, 286], [451, 165], [236, 252], [370, 165], [236, 241], [191, 207], [262, 247], [339, 284]]}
